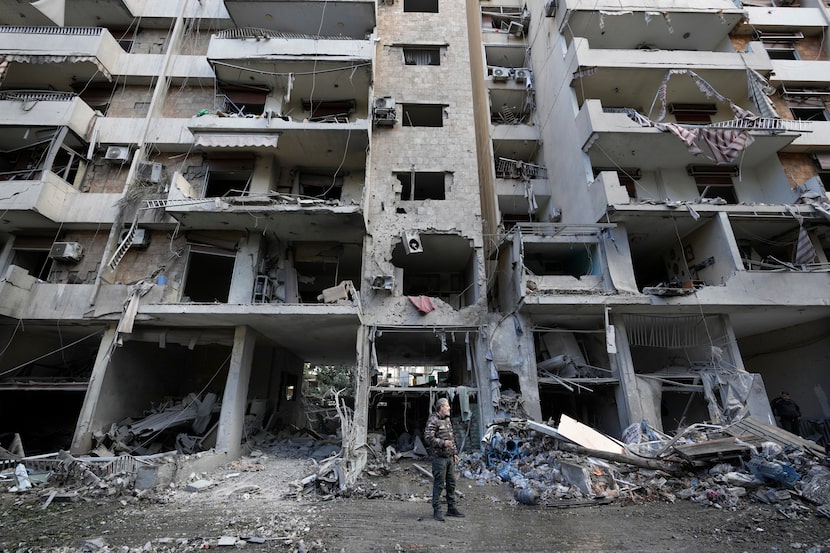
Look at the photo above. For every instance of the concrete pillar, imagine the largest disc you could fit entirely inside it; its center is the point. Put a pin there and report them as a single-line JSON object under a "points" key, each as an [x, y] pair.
{"points": [[244, 270], [528, 377], [628, 395], [354, 453], [235, 400], [82, 439]]}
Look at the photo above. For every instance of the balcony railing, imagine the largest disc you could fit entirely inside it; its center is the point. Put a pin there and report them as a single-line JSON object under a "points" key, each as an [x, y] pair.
{"points": [[37, 96], [66, 31], [260, 34], [514, 169]]}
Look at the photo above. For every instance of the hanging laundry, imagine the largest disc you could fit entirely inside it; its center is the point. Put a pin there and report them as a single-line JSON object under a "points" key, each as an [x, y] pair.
{"points": [[423, 303]]}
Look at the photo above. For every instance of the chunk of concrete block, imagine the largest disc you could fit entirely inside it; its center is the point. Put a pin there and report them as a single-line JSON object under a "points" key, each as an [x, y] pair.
{"points": [[199, 485]]}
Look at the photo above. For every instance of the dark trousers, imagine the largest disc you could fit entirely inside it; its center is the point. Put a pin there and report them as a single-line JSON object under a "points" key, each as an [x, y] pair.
{"points": [[443, 476], [791, 425]]}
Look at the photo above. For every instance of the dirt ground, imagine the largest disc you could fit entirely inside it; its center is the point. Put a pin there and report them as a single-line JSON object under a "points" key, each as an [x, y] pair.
{"points": [[254, 498]]}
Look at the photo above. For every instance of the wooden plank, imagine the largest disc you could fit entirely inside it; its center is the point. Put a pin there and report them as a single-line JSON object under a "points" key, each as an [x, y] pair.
{"points": [[757, 427], [587, 437]]}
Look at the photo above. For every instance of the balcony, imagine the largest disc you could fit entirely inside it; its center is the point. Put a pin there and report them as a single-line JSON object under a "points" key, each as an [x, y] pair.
{"points": [[289, 216], [350, 18], [626, 25], [46, 109], [614, 135], [552, 263], [37, 202], [57, 56], [618, 65]]}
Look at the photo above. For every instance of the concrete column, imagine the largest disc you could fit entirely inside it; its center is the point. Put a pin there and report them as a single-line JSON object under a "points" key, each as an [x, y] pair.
{"points": [[244, 270], [628, 395], [528, 377], [235, 400], [82, 439], [356, 455]]}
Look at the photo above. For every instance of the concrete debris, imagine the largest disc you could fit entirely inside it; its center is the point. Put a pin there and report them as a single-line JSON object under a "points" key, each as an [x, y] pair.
{"points": [[183, 425], [545, 468]]}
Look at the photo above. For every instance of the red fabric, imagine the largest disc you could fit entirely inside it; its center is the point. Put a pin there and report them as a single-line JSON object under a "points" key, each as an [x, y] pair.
{"points": [[423, 303]]}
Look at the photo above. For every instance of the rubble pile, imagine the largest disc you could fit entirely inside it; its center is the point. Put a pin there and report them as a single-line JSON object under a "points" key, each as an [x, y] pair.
{"points": [[184, 425], [549, 469]]}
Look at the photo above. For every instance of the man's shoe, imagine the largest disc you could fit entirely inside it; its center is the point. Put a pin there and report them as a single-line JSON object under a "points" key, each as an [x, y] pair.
{"points": [[438, 516], [455, 513]]}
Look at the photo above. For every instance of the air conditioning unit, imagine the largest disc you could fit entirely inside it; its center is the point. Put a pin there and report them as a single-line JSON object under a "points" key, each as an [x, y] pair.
{"points": [[521, 75], [411, 242], [501, 73], [69, 252], [117, 153], [149, 171], [141, 238], [384, 113]]}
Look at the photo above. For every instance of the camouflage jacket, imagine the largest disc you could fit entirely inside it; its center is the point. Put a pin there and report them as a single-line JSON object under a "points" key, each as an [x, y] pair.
{"points": [[439, 430]]}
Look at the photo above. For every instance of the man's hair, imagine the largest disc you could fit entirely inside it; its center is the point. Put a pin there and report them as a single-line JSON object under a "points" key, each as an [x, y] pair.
{"points": [[441, 401]]}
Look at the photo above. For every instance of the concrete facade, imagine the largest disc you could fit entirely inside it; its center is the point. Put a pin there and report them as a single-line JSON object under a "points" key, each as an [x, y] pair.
{"points": [[490, 201]]}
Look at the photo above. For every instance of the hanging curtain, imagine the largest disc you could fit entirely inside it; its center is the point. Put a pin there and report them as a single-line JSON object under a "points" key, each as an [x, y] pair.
{"points": [[416, 56]]}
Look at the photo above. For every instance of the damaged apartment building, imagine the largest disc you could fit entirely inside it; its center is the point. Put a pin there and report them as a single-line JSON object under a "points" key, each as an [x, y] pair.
{"points": [[611, 210]]}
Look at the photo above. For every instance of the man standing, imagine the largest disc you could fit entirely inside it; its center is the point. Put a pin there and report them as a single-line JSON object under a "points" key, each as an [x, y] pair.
{"points": [[440, 438], [788, 412]]}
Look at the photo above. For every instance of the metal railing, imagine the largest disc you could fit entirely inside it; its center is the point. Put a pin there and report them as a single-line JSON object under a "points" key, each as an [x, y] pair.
{"points": [[74, 31], [515, 169], [255, 33], [37, 96]]}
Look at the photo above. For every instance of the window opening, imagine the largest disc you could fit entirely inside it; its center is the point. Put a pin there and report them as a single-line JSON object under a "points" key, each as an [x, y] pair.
{"points": [[240, 100], [423, 115], [422, 55], [422, 185], [693, 114], [226, 183], [809, 113], [208, 277], [321, 186], [329, 111], [424, 6]]}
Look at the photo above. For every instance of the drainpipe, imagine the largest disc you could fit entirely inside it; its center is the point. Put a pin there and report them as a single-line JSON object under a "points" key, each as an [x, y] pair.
{"points": [[156, 107]]}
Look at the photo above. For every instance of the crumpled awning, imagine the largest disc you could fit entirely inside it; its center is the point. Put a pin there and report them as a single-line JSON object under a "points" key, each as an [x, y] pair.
{"points": [[26, 58], [237, 140]]}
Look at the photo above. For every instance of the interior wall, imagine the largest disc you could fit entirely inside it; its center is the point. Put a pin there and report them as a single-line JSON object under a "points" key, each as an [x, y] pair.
{"points": [[141, 375], [272, 369], [794, 360]]}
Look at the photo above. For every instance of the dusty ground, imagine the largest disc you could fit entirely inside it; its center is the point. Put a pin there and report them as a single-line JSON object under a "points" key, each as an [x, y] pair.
{"points": [[254, 498]]}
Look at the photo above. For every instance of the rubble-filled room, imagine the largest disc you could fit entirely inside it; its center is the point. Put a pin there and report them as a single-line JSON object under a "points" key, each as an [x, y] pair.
{"points": [[414, 368]]}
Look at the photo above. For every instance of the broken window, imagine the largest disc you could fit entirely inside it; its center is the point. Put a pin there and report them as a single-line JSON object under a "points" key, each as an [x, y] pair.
{"points": [[424, 6], [693, 114], [422, 55], [228, 176], [422, 185], [209, 274], [810, 113], [241, 100], [321, 265], [32, 253], [423, 115], [322, 186], [715, 181], [329, 111], [780, 45]]}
